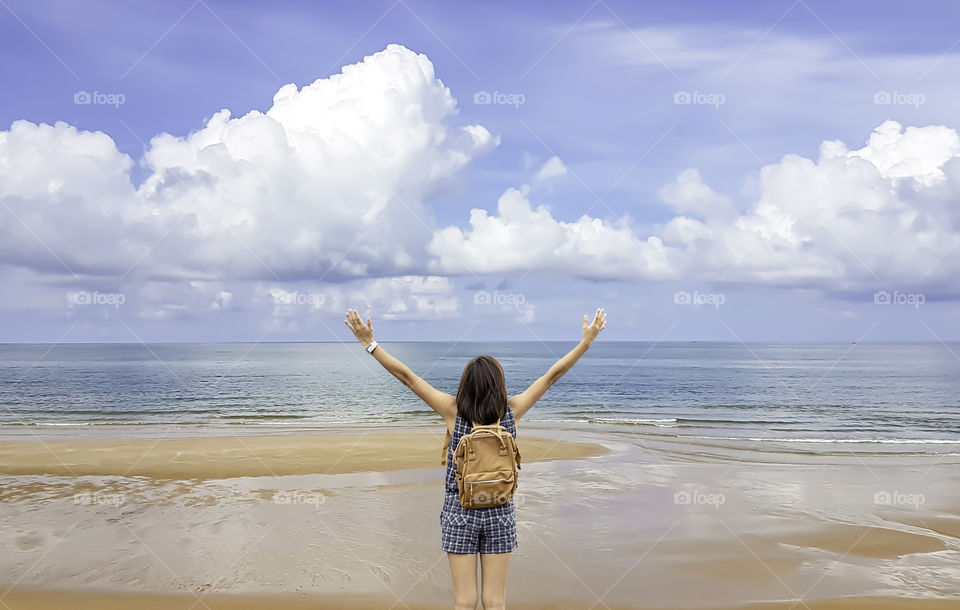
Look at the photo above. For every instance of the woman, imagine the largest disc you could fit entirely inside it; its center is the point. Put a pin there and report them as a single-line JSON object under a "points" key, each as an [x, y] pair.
{"points": [[481, 399]]}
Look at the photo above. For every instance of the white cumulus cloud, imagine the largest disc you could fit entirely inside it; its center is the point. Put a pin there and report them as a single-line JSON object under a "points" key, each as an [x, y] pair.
{"points": [[327, 183], [520, 237], [879, 216]]}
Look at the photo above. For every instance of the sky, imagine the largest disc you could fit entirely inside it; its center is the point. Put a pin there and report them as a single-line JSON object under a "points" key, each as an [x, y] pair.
{"points": [[204, 171]]}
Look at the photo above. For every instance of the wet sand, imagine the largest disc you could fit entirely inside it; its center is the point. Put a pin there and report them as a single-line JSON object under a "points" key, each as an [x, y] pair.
{"points": [[34, 600], [607, 518]]}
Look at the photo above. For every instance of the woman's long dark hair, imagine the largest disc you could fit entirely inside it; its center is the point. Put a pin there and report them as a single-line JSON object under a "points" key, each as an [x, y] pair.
{"points": [[482, 393]]}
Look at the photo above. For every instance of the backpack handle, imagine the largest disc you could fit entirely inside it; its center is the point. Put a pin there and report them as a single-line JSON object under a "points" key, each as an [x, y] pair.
{"points": [[497, 430]]}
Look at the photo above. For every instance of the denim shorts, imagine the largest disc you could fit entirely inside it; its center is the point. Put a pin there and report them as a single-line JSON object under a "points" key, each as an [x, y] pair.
{"points": [[477, 530]]}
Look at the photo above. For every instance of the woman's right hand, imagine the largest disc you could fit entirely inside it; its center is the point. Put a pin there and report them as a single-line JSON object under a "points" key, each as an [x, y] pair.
{"points": [[592, 329], [363, 332]]}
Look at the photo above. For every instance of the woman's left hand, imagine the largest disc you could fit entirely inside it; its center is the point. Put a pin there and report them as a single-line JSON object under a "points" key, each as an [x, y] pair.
{"points": [[363, 332]]}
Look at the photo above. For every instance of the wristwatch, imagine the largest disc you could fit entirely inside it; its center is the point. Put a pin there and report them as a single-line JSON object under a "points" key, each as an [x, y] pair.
{"points": [[371, 347]]}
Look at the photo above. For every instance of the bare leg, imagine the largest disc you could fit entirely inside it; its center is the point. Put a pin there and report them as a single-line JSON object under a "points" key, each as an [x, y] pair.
{"points": [[463, 568], [493, 567]]}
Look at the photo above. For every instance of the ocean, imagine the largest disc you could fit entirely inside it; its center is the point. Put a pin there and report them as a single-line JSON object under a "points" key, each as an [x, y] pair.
{"points": [[863, 397]]}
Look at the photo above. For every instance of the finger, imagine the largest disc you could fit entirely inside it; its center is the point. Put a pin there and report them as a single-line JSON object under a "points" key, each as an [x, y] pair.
{"points": [[370, 326], [585, 320]]}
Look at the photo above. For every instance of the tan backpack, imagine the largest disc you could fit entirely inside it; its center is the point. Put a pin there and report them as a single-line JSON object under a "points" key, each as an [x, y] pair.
{"points": [[488, 462]]}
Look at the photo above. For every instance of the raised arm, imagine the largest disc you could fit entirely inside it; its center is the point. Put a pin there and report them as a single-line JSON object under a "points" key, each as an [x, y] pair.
{"points": [[521, 403], [441, 402]]}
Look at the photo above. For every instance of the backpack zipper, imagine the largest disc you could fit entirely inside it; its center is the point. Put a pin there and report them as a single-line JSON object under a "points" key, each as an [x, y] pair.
{"points": [[491, 481]]}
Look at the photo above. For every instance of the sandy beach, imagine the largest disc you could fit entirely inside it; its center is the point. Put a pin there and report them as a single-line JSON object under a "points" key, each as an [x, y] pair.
{"points": [[607, 518], [240, 455]]}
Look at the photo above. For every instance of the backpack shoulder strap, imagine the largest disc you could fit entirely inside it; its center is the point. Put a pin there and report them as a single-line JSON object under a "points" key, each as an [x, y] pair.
{"points": [[443, 452]]}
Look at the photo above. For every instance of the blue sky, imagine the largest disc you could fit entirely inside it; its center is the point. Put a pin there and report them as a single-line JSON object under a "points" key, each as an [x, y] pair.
{"points": [[596, 85]]}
